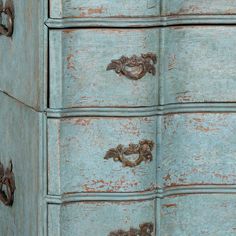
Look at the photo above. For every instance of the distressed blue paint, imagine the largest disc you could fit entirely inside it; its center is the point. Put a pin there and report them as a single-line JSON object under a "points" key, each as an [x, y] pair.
{"points": [[198, 64], [103, 8], [17, 127], [77, 147], [21, 56], [82, 79], [99, 218], [201, 214], [207, 149], [198, 7], [64, 187]]}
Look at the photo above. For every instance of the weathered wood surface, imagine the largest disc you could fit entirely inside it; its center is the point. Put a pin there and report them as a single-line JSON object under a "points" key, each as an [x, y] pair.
{"points": [[78, 76], [198, 214], [99, 218], [141, 8], [198, 149], [19, 132], [77, 147], [21, 61], [198, 64], [199, 7], [103, 8]]}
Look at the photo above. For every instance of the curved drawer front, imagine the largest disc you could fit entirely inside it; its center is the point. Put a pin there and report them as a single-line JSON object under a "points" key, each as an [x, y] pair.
{"points": [[85, 154], [205, 215], [198, 149], [87, 67], [103, 8], [102, 218], [199, 7], [199, 64]]}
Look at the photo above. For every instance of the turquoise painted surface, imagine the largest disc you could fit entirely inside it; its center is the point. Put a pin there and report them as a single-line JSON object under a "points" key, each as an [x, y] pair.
{"points": [[198, 149], [103, 8], [77, 146], [198, 7], [78, 76], [195, 152], [142, 8], [99, 218], [198, 64], [21, 56], [19, 132], [198, 214]]}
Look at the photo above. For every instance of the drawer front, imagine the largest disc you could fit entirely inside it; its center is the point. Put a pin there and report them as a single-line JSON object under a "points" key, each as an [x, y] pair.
{"points": [[205, 215], [198, 149], [85, 154], [103, 8], [102, 218], [87, 67], [17, 127], [199, 64], [20, 67], [197, 7]]}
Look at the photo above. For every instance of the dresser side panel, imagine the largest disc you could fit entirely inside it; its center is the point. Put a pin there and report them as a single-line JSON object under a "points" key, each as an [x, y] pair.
{"points": [[21, 55], [19, 131]]}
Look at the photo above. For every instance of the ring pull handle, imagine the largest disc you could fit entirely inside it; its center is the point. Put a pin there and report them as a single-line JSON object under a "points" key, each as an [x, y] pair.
{"points": [[134, 67], [7, 30], [143, 150], [7, 184]]}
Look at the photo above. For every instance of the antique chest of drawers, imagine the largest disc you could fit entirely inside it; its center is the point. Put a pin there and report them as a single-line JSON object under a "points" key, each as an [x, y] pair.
{"points": [[117, 118]]}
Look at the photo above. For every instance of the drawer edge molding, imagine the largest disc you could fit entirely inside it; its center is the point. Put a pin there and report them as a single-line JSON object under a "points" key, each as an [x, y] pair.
{"points": [[105, 196], [141, 111], [159, 193], [143, 149], [140, 22], [145, 229]]}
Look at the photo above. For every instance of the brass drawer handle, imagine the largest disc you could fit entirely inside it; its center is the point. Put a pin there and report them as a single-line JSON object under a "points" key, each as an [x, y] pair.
{"points": [[134, 67], [144, 230], [7, 184], [143, 150], [7, 30]]}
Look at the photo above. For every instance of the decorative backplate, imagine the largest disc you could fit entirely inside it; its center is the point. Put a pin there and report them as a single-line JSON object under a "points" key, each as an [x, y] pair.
{"points": [[143, 150], [134, 67], [7, 14], [144, 230], [7, 184]]}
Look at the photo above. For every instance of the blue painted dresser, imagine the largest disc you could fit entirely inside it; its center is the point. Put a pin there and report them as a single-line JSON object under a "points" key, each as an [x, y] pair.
{"points": [[117, 118]]}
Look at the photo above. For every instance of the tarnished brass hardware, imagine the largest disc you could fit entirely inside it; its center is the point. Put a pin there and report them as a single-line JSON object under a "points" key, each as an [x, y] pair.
{"points": [[7, 184], [134, 67], [144, 230], [143, 150], [7, 30]]}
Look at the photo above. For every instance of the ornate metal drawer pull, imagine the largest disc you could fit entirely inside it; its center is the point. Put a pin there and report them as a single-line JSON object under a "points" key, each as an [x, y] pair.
{"points": [[145, 230], [7, 184], [134, 67], [7, 29], [143, 149]]}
